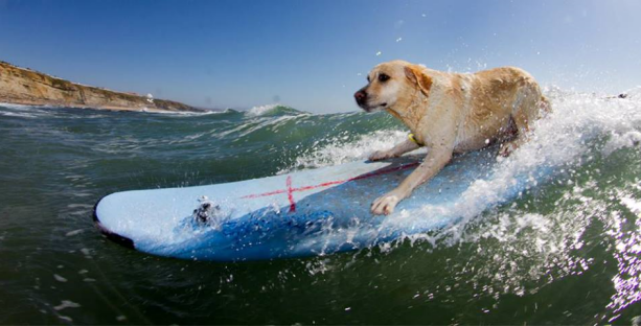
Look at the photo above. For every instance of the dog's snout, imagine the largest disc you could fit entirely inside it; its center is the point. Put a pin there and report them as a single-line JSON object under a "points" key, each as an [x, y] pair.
{"points": [[360, 96]]}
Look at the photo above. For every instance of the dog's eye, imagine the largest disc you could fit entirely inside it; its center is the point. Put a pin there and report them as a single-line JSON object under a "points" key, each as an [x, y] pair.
{"points": [[383, 77]]}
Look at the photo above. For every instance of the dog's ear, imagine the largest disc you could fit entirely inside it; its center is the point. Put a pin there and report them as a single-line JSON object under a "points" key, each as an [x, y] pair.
{"points": [[418, 78]]}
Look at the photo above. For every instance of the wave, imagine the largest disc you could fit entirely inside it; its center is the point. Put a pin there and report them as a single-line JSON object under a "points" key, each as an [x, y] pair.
{"points": [[345, 148], [24, 111], [273, 110], [15, 106], [186, 113], [38, 110]]}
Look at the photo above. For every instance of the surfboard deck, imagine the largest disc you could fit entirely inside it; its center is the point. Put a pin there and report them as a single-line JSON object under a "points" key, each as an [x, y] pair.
{"points": [[312, 212]]}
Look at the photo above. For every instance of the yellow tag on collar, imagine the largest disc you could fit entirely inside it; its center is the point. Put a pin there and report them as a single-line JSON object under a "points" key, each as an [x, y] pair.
{"points": [[413, 139]]}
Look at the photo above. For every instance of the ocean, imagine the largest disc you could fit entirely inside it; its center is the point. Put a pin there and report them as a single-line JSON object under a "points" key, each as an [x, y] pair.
{"points": [[566, 251]]}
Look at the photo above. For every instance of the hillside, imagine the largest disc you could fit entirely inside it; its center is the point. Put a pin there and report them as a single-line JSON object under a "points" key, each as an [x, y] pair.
{"points": [[25, 86]]}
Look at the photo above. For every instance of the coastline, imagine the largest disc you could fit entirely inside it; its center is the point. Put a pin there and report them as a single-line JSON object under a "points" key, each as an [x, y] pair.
{"points": [[4, 101], [23, 86]]}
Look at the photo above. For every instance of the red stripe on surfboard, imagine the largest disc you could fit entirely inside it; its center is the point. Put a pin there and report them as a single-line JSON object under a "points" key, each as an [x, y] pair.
{"points": [[291, 190], [290, 195]]}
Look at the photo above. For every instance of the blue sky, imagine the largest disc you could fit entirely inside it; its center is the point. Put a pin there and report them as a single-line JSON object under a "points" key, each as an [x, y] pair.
{"points": [[312, 55]]}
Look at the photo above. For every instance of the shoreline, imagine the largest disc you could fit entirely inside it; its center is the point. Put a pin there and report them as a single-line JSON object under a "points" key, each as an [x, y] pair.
{"points": [[97, 108], [23, 86]]}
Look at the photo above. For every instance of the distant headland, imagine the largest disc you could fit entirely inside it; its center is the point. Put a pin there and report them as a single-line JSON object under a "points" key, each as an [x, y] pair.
{"points": [[28, 87]]}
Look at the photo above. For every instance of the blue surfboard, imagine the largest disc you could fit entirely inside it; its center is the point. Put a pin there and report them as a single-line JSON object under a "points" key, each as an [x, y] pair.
{"points": [[312, 212]]}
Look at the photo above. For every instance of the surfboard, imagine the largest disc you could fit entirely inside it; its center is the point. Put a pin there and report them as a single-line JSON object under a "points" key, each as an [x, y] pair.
{"points": [[311, 212]]}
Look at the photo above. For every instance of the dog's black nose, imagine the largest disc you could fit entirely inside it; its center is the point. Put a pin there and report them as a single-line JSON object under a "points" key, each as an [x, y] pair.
{"points": [[360, 96]]}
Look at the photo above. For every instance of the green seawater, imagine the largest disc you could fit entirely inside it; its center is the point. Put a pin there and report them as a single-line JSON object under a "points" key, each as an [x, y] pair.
{"points": [[565, 251]]}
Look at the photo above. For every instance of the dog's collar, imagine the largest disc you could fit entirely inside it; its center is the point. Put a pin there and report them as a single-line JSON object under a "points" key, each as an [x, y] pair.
{"points": [[414, 140]]}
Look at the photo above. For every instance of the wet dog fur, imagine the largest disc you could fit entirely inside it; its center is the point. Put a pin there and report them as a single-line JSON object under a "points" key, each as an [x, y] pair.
{"points": [[449, 113]]}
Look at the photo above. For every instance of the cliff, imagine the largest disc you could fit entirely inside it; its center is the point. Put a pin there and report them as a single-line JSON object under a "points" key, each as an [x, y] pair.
{"points": [[25, 86]]}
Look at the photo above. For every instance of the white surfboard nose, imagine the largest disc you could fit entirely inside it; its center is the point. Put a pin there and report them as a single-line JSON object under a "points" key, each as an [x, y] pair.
{"points": [[108, 233]]}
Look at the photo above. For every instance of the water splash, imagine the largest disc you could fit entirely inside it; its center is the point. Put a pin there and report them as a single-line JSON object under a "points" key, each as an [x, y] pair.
{"points": [[532, 244]]}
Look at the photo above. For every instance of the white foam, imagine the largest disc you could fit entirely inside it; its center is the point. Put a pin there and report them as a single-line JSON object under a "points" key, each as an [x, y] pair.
{"points": [[66, 304], [344, 149], [186, 113], [59, 278], [17, 106], [74, 232], [633, 94], [19, 115], [561, 139], [248, 127], [261, 109]]}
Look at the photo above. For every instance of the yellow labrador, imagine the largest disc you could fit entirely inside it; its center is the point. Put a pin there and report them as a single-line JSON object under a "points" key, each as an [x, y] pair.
{"points": [[449, 113]]}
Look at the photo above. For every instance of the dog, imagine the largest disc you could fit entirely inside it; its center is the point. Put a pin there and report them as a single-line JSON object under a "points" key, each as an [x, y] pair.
{"points": [[449, 113]]}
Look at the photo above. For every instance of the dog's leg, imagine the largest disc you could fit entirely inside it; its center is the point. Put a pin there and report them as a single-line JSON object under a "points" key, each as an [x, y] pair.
{"points": [[521, 137], [396, 151], [436, 159], [529, 109]]}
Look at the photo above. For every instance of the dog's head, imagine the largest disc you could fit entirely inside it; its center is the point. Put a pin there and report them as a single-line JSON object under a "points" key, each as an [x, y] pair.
{"points": [[391, 85]]}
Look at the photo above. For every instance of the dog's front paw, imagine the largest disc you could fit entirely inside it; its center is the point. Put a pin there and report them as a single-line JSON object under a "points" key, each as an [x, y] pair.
{"points": [[385, 204], [380, 155]]}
